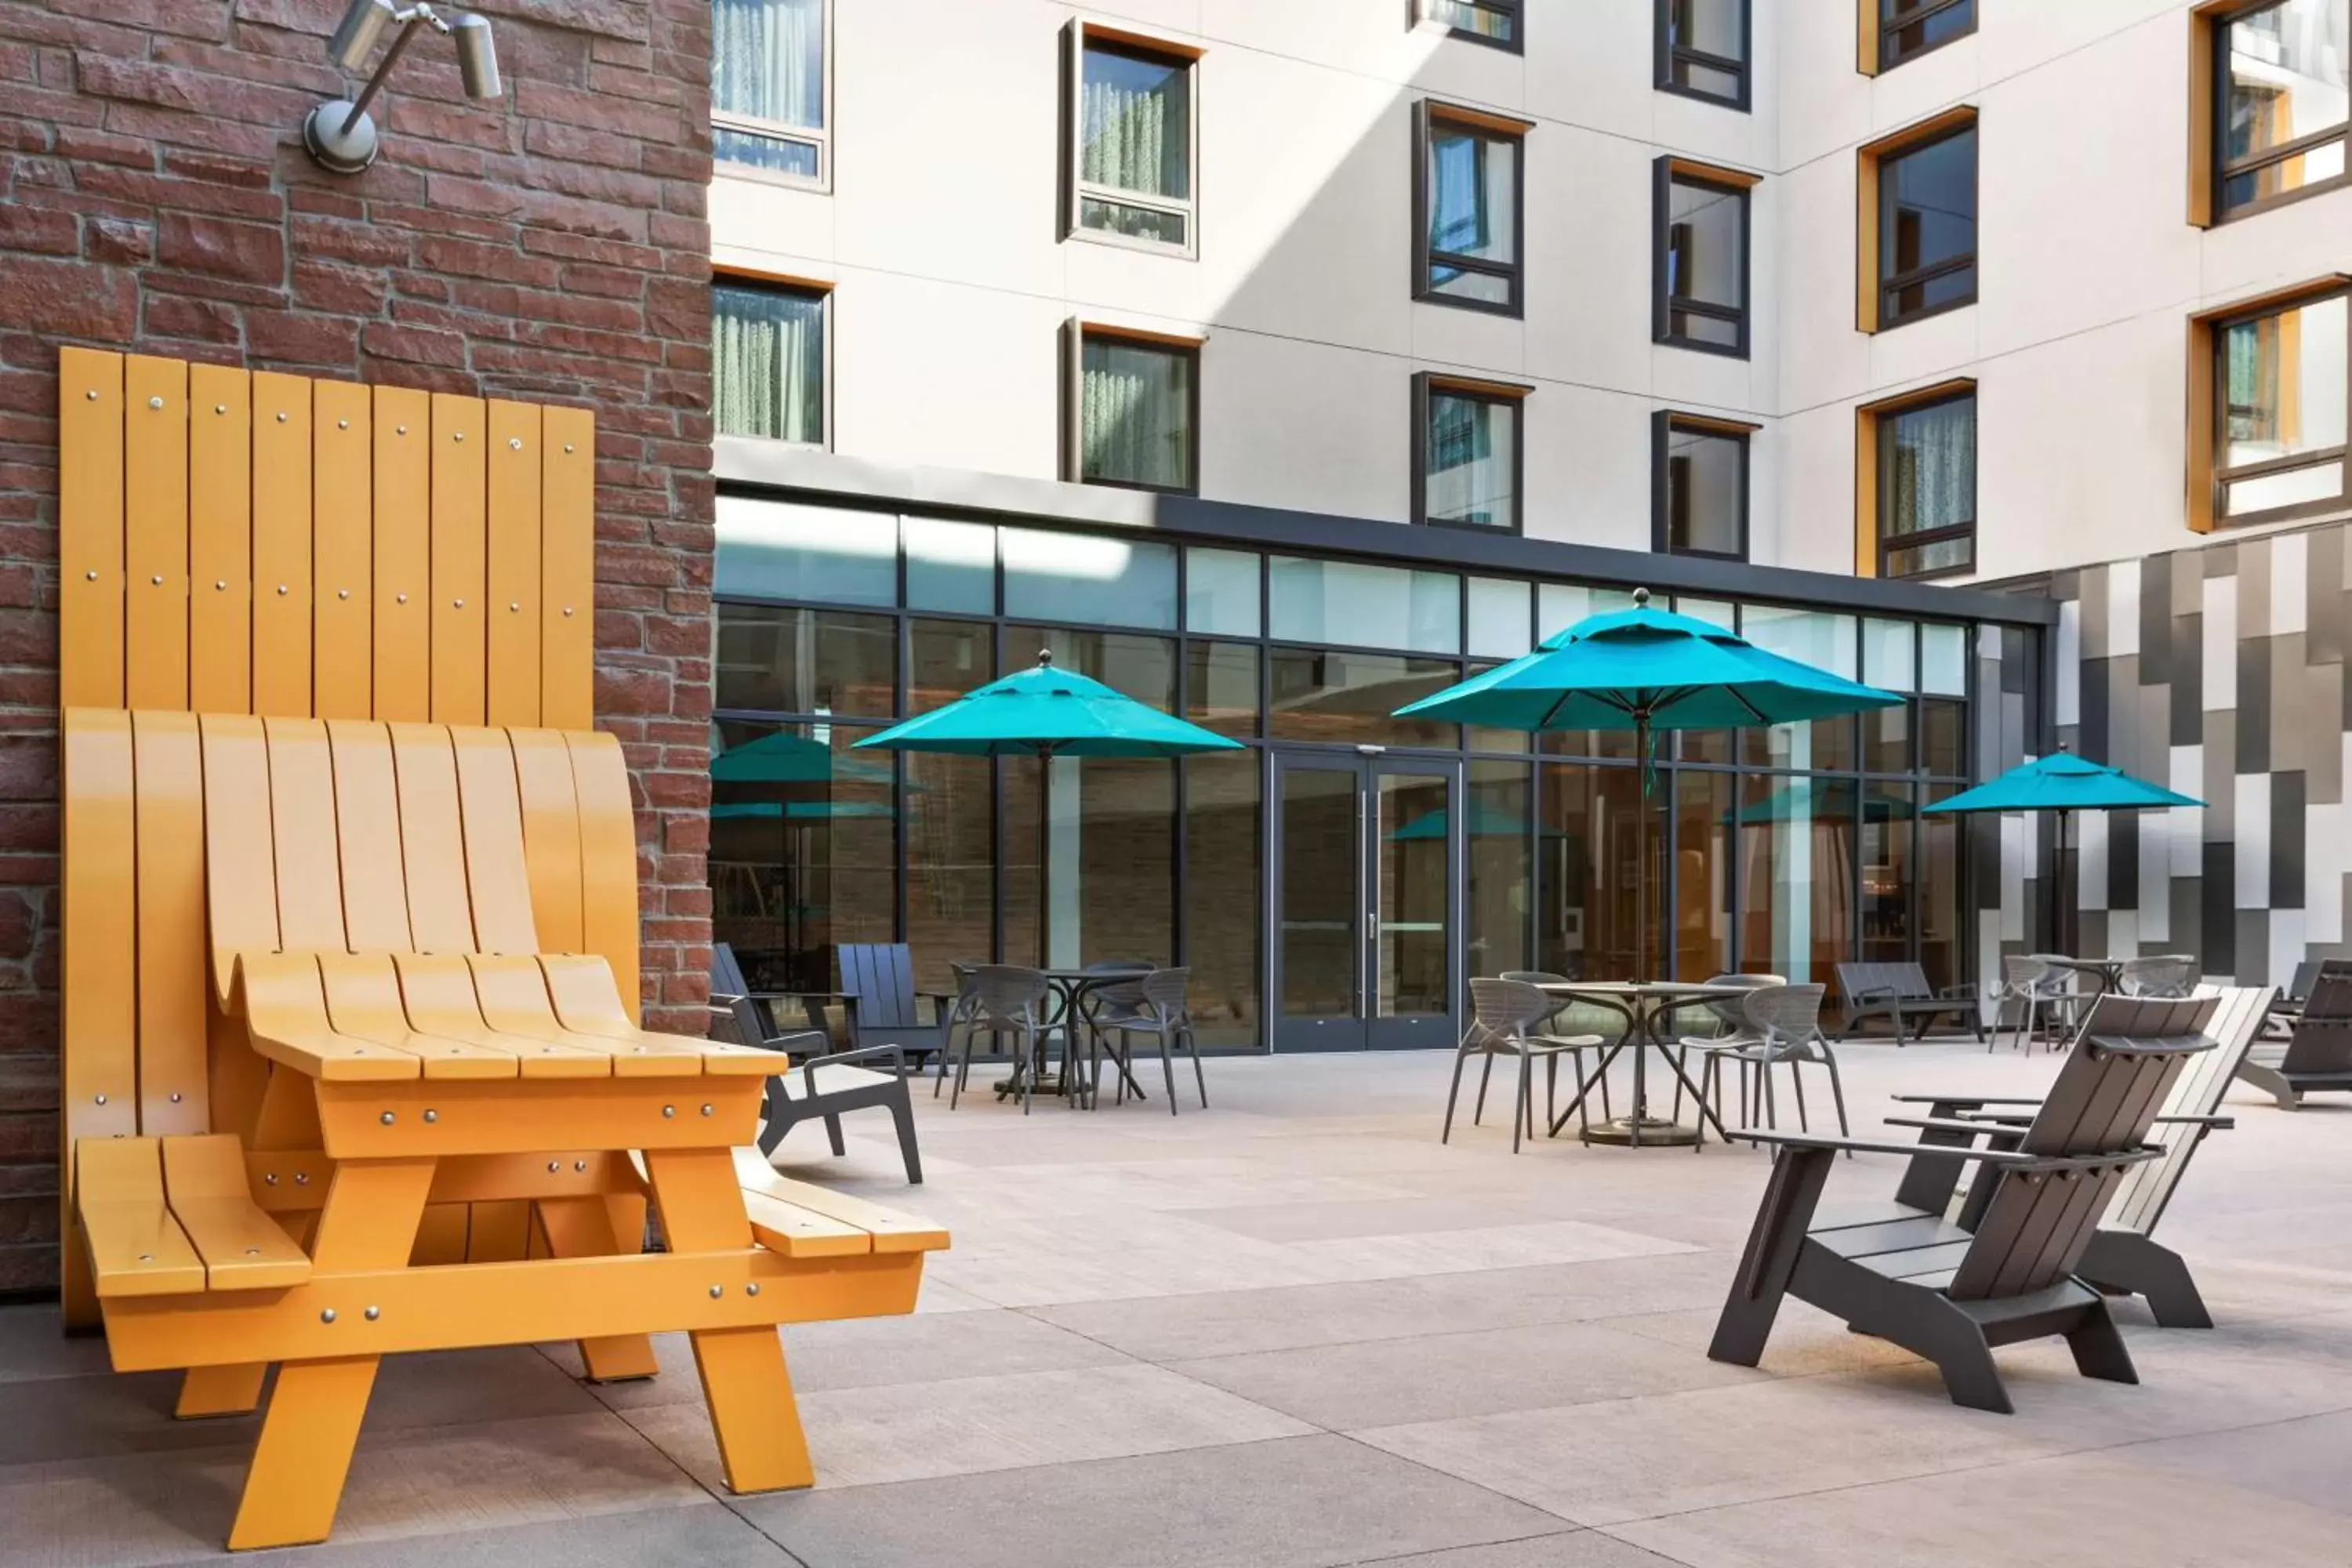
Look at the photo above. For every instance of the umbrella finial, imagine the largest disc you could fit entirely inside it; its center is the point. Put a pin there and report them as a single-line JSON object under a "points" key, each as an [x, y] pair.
{"points": [[1045, 658], [1641, 598]]}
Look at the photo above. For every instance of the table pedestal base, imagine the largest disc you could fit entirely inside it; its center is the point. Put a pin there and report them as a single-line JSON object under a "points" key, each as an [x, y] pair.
{"points": [[1642, 1133]]}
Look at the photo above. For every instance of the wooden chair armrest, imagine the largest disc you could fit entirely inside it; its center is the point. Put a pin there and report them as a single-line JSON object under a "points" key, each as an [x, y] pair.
{"points": [[1965, 1099], [2213, 1123], [1871, 1146], [860, 1053]]}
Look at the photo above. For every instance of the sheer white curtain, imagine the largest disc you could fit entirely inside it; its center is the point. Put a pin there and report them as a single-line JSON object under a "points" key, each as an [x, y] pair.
{"points": [[1132, 130], [768, 363], [1936, 478], [1135, 414], [1468, 476], [767, 61]]}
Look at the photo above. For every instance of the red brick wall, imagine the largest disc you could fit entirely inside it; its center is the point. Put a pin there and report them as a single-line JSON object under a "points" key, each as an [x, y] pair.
{"points": [[550, 246]]}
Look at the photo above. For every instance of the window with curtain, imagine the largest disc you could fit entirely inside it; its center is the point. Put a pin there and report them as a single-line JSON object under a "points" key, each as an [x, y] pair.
{"points": [[1702, 258], [1927, 488], [1134, 144], [1927, 227], [1137, 408], [1702, 49], [2280, 445], [1909, 28], [1700, 488], [1490, 22], [2283, 114], [1470, 454], [767, 363], [768, 87], [1470, 199]]}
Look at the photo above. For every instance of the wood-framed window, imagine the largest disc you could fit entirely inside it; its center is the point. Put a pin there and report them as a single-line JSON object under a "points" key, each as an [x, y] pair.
{"points": [[770, 360], [772, 89], [1497, 24], [2269, 121], [1131, 418], [1893, 31], [1130, 139], [1917, 221], [2269, 389], [1704, 48], [1469, 457], [1915, 483], [1698, 485], [1469, 200], [1699, 266]]}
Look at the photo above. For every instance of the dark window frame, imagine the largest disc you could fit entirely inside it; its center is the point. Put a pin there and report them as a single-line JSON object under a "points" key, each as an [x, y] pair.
{"points": [[1882, 434], [1075, 333], [2218, 416], [752, 283], [1671, 57], [2218, 117], [1079, 39], [1894, 16], [1888, 287], [1663, 426], [1667, 172], [1517, 10], [1505, 395], [1426, 114]]}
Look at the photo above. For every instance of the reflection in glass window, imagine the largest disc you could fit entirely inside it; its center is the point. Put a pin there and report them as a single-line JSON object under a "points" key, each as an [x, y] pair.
{"points": [[1220, 687], [1223, 868], [776, 550], [1348, 603], [2283, 114], [1086, 577], [1135, 143], [1703, 489], [945, 660], [1495, 22], [1943, 660], [950, 865], [767, 363], [1221, 594], [1702, 261], [1137, 409], [1113, 842], [951, 567], [1702, 49], [1470, 192], [1349, 699], [1909, 28], [1797, 864], [2283, 412], [767, 86], [1470, 459], [1143, 667], [1499, 618], [1587, 841], [1495, 829], [1927, 227], [1927, 488], [777, 660]]}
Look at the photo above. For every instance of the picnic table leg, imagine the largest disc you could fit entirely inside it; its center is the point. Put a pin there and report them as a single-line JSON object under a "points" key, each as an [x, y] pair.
{"points": [[313, 1421], [582, 1227], [220, 1390], [752, 1412]]}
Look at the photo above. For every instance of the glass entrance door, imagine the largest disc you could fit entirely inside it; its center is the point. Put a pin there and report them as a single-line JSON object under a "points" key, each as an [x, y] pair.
{"points": [[1365, 903]]}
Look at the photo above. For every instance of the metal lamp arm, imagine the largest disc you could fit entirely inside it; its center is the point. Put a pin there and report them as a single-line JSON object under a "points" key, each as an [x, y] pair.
{"points": [[408, 19]]}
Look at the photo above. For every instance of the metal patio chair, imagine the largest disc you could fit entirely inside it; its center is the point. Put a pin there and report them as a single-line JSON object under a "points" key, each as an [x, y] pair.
{"points": [[2172, 976], [1008, 1000], [1778, 1025], [2038, 991], [1504, 1016], [1561, 1007], [1158, 1005]]}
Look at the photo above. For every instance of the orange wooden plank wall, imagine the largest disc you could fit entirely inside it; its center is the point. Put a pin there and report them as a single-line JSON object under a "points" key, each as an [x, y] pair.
{"points": [[267, 544]]}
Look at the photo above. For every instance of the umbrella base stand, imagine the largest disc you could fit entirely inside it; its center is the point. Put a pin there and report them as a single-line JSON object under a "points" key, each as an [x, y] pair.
{"points": [[1642, 1133]]}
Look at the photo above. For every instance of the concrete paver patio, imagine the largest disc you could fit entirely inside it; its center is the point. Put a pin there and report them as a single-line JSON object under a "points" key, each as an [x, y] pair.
{"points": [[1293, 1330]]}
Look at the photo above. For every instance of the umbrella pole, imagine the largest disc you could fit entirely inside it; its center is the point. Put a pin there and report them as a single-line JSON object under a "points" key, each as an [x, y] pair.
{"points": [[1044, 858], [1641, 850]]}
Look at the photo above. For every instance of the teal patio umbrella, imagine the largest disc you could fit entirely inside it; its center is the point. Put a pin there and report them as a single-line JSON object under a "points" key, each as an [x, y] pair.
{"points": [[2065, 784], [1047, 713], [785, 757], [1646, 670]]}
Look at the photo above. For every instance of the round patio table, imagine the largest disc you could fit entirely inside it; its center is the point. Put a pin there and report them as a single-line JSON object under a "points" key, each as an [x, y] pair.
{"points": [[1644, 1004], [1069, 987], [2108, 971]]}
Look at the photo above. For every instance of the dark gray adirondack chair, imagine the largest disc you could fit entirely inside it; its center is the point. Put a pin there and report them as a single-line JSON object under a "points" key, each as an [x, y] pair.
{"points": [[1899, 992], [2123, 1258], [817, 1084], [2317, 1058], [877, 984], [1950, 1291]]}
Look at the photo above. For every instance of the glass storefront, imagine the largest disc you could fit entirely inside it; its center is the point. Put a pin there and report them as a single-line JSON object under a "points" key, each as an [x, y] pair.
{"points": [[1338, 882]]}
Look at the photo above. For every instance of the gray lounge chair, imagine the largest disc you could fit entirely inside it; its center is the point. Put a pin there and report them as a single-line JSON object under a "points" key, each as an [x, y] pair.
{"points": [[1899, 992], [2123, 1258], [2317, 1058], [1951, 1291], [817, 1084]]}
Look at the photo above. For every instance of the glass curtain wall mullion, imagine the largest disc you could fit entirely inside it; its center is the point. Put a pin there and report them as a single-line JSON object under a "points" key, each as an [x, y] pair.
{"points": [[771, 78]]}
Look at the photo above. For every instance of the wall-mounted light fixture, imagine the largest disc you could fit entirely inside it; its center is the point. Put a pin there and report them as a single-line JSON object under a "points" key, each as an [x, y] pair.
{"points": [[340, 134]]}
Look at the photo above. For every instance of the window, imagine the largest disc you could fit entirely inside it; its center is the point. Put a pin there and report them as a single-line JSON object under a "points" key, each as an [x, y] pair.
{"points": [[768, 87], [1467, 188], [1136, 407], [1918, 232], [1703, 49], [1698, 486], [2279, 119], [2275, 409], [1495, 23], [767, 361], [1467, 468], [1898, 30], [1132, 139], [1915, 470], [1702, 257]]}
